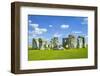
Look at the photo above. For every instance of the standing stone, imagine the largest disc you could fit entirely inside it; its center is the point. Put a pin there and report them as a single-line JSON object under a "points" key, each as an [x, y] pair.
{"points": [[78, 43], [65, 42], [72, 42], [84, 42], [34, 44], [42, 46], [40, 43], [55, 43], [51, 44], [81, 42], [46, 45]]}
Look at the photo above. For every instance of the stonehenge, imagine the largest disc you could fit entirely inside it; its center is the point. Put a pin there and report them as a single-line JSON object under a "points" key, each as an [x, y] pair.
{"points": [[68, 42]]}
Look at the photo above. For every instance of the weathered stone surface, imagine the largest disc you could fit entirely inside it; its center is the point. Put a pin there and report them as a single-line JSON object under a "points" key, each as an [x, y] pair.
{"points": [[35, 43], [55, 43], [74, 42], [81, 42], [69, 42]]}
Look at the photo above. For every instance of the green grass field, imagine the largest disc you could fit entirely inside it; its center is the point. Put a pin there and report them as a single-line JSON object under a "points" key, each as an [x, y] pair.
{"points": [[57, 54]]}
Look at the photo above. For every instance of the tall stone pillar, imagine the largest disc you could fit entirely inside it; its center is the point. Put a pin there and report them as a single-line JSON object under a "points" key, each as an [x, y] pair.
{"points": [[40, 42], [34, 44], [83, 42]]}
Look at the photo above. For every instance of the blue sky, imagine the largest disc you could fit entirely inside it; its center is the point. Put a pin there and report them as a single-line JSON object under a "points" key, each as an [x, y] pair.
{"points": [[46, 27]]}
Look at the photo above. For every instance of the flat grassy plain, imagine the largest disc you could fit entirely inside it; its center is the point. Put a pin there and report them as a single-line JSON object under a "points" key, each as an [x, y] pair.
{"points": [[76, 53]]}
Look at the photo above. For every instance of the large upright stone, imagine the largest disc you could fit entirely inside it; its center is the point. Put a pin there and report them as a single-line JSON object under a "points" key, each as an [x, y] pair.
{"points": [[40, 42], [42, 46], [72, 41], [81, 42], [65, 42], [34, 43], [84, 43], [55, 43]]}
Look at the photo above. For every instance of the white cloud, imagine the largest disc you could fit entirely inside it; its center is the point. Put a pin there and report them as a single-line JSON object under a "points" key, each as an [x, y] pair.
{"points": [[37, 30], [50, 26], [64, 26], [31, 34], [57, 35], [77, 32], [43, 30], [34, 25], [29, 21], [85, 21]]}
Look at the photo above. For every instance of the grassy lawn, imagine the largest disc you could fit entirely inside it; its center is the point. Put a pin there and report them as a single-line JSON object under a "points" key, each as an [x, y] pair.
{"points": [[57, 54]]}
